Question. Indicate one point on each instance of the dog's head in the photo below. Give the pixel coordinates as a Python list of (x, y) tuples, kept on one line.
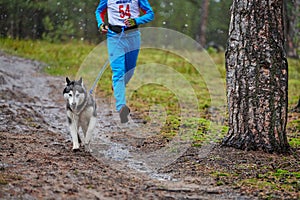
[(74, 93)]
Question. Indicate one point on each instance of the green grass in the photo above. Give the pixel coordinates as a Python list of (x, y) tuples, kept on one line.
[(294, 142), (294, 81), (67, 59), (293, 128), (6, 178), (220, 174), (60, 59), (268, 182), (280, 180)]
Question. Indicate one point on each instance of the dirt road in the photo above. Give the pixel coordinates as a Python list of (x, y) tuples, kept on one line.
[(36, 161)]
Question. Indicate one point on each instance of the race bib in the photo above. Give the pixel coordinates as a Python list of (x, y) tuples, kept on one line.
[(119, 10)]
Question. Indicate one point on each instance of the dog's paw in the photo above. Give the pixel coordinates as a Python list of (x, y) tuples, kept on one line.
[(76, 150), (87, 148), (75, 146)]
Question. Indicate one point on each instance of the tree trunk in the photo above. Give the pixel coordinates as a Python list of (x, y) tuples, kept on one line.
[(257, 77), (292, 29), (297, 108), (201, 38)]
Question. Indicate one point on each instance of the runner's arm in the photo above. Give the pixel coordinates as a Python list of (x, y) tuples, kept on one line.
[(100, 12), (148, 13)]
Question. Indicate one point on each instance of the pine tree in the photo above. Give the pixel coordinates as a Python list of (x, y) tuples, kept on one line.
[(257, 77)]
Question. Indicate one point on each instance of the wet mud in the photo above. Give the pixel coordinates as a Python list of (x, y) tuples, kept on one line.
[(36, 160)]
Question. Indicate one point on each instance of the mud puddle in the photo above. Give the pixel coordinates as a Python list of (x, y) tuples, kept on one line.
[(38, 102)]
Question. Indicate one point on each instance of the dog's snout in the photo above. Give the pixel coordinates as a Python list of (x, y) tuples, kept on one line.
[(73, 104)]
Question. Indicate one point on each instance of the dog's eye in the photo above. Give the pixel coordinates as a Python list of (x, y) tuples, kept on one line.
[(70, 95), (77, 95)]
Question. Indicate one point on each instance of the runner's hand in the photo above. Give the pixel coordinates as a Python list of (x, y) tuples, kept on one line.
[(130, 22), (103, 28)]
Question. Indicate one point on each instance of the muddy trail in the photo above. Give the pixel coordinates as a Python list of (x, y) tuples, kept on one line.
[(36, 160)]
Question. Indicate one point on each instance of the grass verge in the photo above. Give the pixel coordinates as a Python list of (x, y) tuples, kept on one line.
[(65, 59)]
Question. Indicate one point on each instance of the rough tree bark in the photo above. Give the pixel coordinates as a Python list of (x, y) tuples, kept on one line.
[(257, 77)]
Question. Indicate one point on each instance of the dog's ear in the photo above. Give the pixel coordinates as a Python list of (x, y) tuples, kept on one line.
[(68, 80), (80, 81)]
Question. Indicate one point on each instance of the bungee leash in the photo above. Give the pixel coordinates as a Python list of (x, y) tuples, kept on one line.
[(105, 64)]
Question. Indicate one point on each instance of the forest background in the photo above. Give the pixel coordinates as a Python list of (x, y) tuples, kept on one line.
[(58, 21)]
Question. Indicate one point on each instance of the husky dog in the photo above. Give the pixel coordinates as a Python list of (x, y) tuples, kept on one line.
[(81, 112)]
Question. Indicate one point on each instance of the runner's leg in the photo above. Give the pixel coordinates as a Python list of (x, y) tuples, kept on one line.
[(132, 52), (117, 63)]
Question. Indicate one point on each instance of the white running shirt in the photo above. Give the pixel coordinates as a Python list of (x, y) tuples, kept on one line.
[(119, 10)]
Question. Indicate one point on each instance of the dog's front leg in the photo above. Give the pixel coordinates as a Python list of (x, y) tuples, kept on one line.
[(89, 132), (73, 124)]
